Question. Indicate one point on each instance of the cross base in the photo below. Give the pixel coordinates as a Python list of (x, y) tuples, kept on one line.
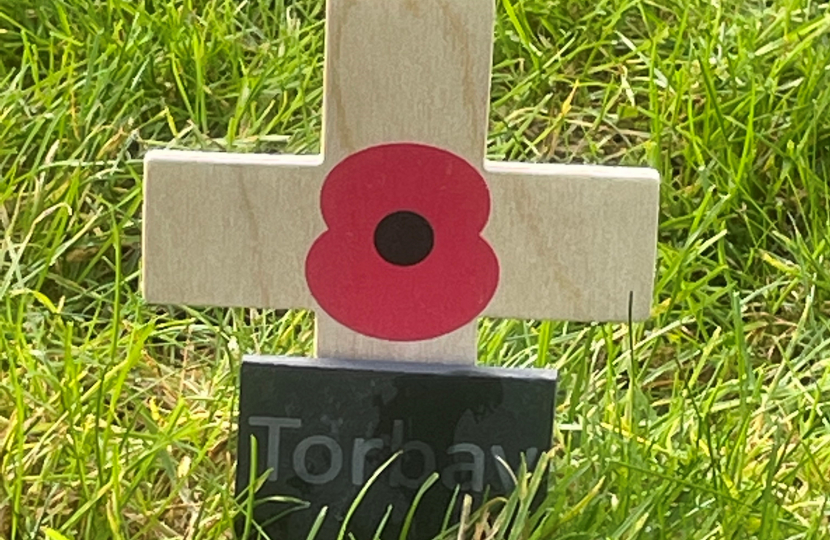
[(324, 427)]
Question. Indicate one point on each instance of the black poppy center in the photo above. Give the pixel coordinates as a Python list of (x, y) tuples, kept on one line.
[(404, 238)]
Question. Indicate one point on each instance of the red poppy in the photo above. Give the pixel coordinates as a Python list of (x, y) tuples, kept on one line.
[(403, 258)]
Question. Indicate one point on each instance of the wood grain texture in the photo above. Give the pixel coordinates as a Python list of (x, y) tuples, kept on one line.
[(229, 229), (407, 70), (574, 242), (333, 340)]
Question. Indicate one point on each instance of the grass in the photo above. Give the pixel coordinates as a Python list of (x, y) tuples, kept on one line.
[(711, 420)]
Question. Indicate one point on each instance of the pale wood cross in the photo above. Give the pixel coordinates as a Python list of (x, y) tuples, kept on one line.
[(574, 242)]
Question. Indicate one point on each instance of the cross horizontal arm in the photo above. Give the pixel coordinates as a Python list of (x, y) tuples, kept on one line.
[(229, 229), (574, 241)]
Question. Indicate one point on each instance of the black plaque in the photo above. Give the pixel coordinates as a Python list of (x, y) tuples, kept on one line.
[(323, 427)]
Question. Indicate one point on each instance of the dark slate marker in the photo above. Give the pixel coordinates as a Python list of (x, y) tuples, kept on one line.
[(325, 426)]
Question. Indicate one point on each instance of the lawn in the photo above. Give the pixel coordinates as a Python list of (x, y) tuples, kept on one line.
[(710, 420)]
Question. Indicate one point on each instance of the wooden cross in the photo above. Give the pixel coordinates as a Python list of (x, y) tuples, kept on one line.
[(406, 100)]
